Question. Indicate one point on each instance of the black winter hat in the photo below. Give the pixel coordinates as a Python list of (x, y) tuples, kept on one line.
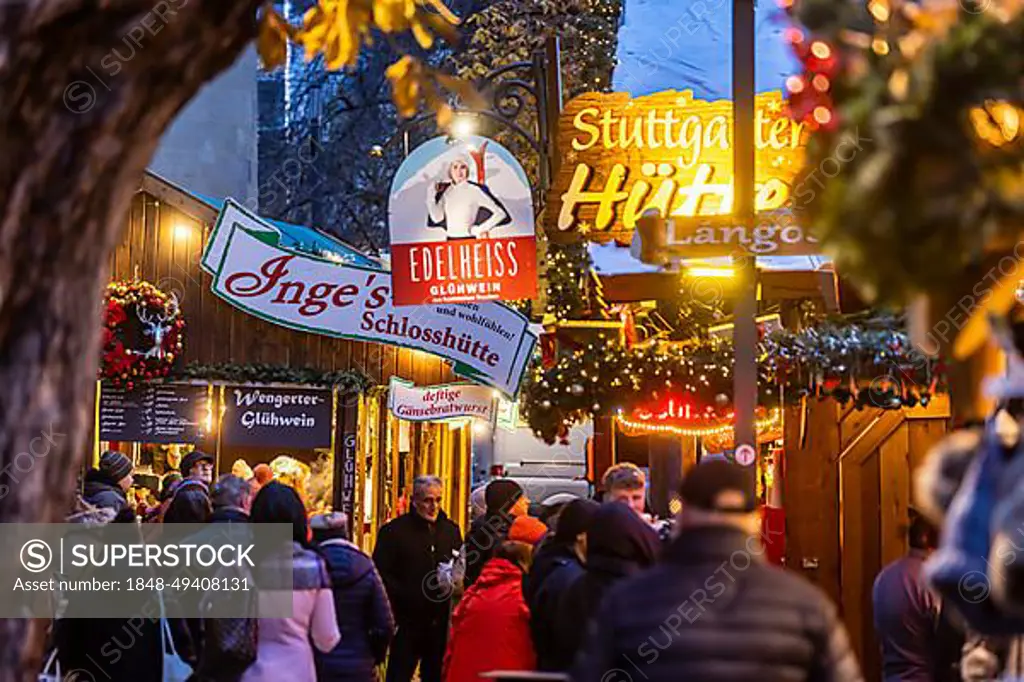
[(501, 495), (193, 458), (574, 519), (709, 479), (115, 465)]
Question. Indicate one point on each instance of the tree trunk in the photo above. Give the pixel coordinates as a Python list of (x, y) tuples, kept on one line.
[(86, 89)]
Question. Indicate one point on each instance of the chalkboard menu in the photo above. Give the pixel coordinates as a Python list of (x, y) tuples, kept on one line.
[(261, 416), (158, 413)]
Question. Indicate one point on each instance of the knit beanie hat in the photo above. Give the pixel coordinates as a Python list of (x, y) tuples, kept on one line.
[(574, 519), (114, 465), (501, 495), (527, 529)]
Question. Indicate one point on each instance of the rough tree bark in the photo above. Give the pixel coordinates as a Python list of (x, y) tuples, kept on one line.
[(75, 139)]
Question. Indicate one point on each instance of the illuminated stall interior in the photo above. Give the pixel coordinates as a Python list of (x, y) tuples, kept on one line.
[(392, 452)]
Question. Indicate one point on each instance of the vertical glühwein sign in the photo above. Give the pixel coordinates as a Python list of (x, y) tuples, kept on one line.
[(462, 226), (669, 152)]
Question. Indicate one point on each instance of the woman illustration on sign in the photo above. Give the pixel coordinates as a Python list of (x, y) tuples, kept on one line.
[(463, 208)]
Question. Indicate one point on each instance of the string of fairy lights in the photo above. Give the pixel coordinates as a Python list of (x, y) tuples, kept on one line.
[(628, 426)]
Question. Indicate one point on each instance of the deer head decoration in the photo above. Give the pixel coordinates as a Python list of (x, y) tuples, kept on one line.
[(157, 327)]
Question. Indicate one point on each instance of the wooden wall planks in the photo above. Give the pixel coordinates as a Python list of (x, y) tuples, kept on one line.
[(163, 245), (850, 514)]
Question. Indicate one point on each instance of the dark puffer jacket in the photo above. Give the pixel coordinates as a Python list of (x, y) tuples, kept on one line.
[(364, 615), (555, 568), (714, 610), (619, 544)]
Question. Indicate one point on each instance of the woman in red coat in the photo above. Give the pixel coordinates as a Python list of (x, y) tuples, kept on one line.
[(491, 625)]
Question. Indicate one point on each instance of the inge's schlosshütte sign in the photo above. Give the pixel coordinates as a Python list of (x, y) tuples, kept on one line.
[(621, 157), (489, 343)]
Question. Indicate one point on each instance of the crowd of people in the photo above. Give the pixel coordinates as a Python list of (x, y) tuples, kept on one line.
[(591, 589)]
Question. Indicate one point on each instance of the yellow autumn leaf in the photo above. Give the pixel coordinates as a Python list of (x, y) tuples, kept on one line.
[(445, 116), (338, 30), (313, 36), (355, 28), (393, 16), (405, 84), (272, 39), (340, 45), (423, 36)]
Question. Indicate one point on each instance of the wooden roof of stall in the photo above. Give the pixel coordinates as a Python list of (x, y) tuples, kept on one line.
[(776, 285), (162, 242)]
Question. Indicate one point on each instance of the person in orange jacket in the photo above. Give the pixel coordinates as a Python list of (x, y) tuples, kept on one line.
[(491, 625)]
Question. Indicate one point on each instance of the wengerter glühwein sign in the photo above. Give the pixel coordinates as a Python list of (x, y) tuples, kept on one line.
[(621, 157), (488, 343)]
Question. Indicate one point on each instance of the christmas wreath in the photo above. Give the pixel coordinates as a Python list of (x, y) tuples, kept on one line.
[(915, 168), (142, 333)]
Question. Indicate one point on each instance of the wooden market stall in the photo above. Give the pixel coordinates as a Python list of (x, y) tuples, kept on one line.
[(848, 484), (844, 474), (371, 456)]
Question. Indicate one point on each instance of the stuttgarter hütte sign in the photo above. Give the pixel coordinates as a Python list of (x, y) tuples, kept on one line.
[(488, 343), (671, 153)]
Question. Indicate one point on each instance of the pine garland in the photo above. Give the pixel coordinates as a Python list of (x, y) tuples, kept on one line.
[(347, 380), (869, 361), (604, 380)]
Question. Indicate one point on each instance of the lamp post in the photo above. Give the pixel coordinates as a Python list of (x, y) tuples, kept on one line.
[(745, 310), (510, 92)]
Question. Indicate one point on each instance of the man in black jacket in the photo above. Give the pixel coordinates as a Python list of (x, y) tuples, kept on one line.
[(557, 563), (713, 610), (408, 554)]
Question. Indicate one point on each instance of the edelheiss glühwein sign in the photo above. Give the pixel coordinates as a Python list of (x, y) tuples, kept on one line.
[(671, 153), (461, 220), (488, 343)]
